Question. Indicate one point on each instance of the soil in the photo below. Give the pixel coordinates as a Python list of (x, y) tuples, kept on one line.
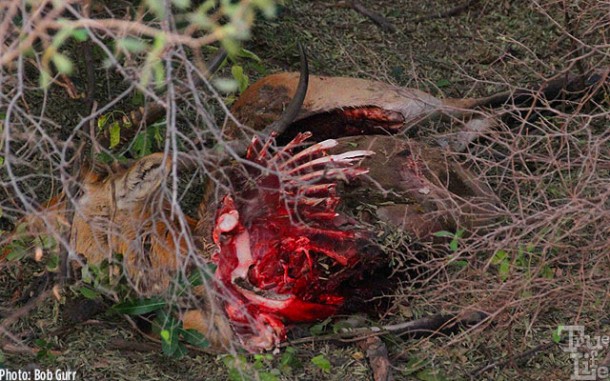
[(486, 48)]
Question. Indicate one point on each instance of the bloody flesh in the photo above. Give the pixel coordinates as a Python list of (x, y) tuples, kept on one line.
[(348, 121), (280, 251)]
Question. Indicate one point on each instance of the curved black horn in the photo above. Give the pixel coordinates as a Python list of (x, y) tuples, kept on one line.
[(280, 125)]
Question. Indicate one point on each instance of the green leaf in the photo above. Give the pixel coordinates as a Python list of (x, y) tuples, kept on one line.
[(137, 99), (200, 18), (504, 270), (158, 44), (267, 376), (141, 145), (44, 352), (156, 129), (62, 63), (159, 73), (499, 257), (133, 45), (321, 362), (170, 343), (235, 366), (182, 4), (289, 360), (556, 334), (453, 245), (197, 277), (236, 375), (115, 134), (62, 34), (342, 324), (165, 335), (195, 338), (139, 307), (16, 251), (86, 274), (459, 264), (413, 365), (41, 343), (231, 46), (245, 53), (318, 329), (88, 292), (157, 7), (45, 79), (242, 79), (444, 234), (1, 160), (105, 157), (430, 375), (21, 229), (53, 263), (180, 351), (266, 6), (80, 35), (102, 120), (46, 241), (443, 83)]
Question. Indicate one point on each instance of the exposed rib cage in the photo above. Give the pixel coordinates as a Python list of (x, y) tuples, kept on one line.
[(279, 247)]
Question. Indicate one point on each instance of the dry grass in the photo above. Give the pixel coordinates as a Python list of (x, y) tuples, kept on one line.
[(551, 172)]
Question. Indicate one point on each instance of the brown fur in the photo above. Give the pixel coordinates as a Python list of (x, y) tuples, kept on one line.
[(417, 188)]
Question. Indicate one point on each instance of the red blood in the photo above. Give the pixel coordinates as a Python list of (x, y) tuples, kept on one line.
[(348, 121), (280, 252), (374, 114)]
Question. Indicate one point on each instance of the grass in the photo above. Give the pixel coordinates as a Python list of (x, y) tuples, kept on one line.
[(491, 47)]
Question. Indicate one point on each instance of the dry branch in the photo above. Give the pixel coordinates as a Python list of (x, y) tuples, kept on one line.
[(505, 361), (449, 13), (426, 326), (376, 17)]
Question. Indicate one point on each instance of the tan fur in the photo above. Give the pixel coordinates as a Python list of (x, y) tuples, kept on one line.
[(264, 101), (120, 214), (123, 213), (212, 324)]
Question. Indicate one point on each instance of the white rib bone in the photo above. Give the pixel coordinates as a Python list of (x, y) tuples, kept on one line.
[(324, 145), (335, 173), (345, 158)]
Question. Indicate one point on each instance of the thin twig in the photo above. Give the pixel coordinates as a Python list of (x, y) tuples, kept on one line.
[(501, 363), (25, 350), (23, 311), (450, 13), (138, 119), (89, 65), (428, 325), (377, 18)]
